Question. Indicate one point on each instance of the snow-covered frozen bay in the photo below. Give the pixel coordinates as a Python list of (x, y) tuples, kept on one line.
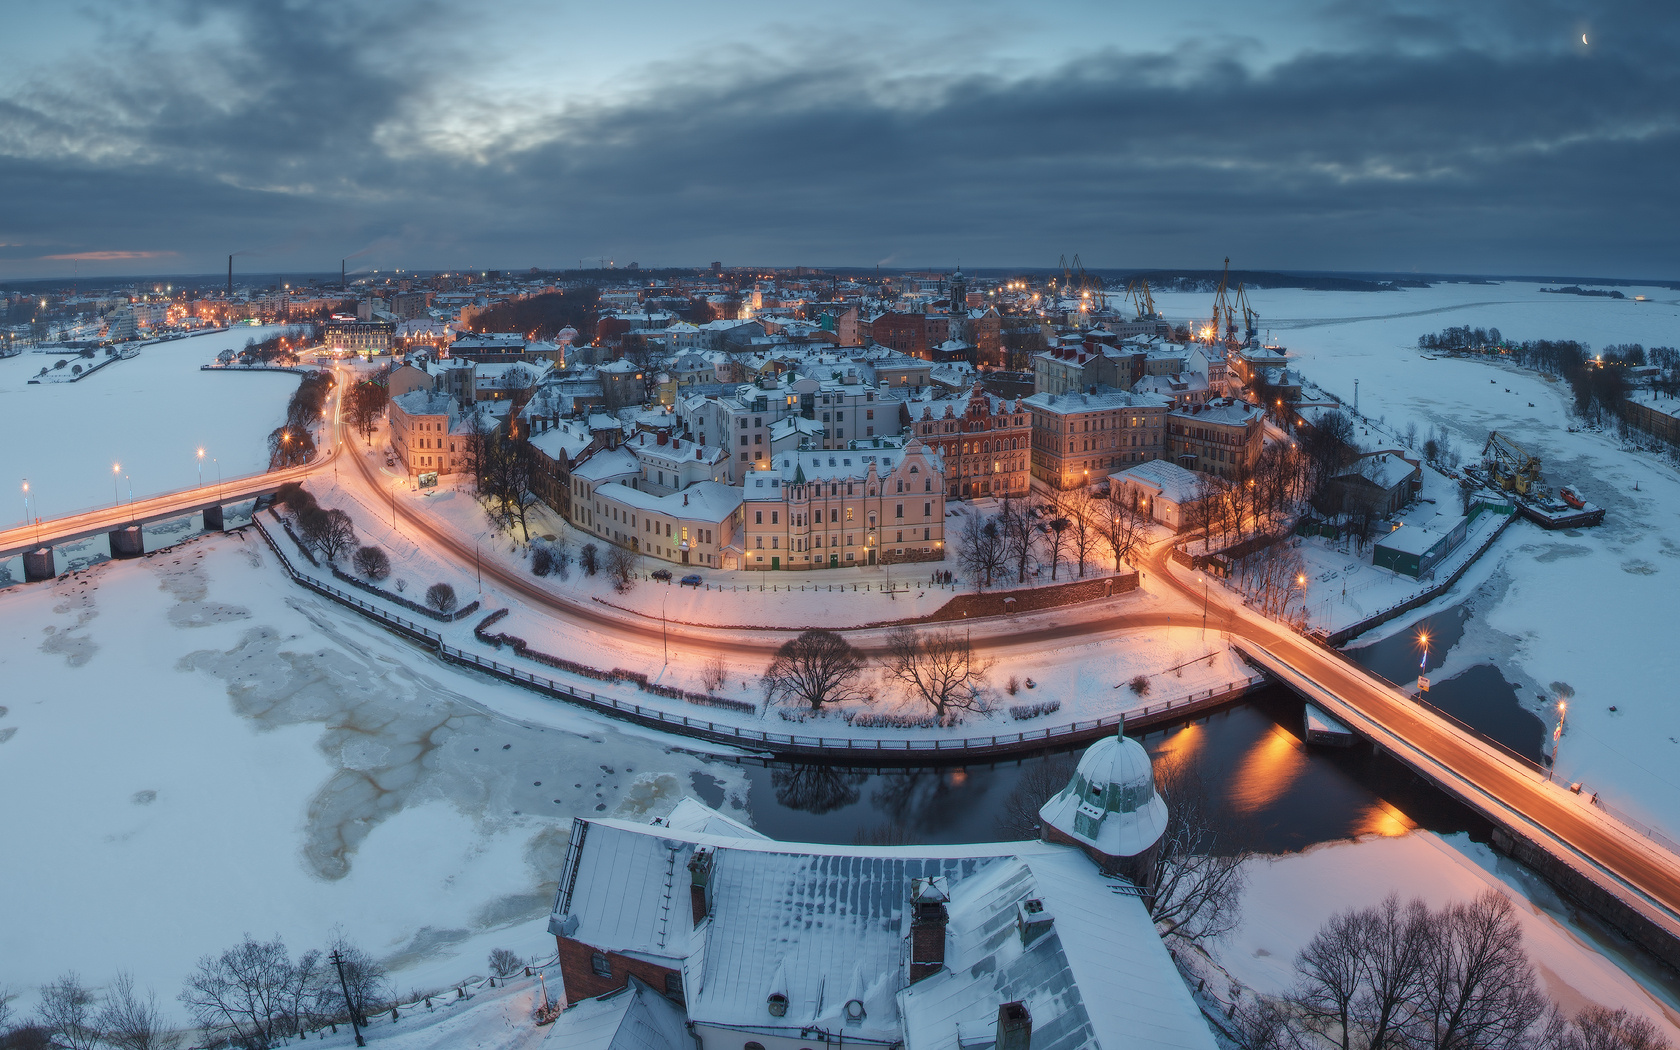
[(192, 748)]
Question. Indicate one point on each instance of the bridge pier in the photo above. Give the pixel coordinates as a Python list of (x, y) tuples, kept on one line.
[(127, 543), (213, 519), (38, 565)]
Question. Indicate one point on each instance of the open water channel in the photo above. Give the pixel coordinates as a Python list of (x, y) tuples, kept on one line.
[(1284, 795)]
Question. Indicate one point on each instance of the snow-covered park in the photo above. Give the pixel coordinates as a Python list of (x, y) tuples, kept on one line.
[(149, 415)]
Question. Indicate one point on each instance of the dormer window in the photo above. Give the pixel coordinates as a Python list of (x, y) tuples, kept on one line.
[(777, 1004)]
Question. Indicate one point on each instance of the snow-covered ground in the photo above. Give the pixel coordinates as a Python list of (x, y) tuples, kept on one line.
[(1289, 898), (1593, 609), (151, 415), (1087, 678), (193, 747)]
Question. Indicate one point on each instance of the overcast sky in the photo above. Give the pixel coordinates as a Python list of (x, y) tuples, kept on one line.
[(1483, 137)]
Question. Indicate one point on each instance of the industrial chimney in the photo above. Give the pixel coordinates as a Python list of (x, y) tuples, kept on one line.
[(341, 284), (230, 277)]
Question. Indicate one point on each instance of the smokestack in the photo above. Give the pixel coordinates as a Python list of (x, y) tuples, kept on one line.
[(1014, 1027), (928, 897), (230, 277), (341, 284)]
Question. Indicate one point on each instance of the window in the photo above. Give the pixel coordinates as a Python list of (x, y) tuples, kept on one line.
[(775, 517), (900, 511), (598, 963), (927, 510), (758, 517)]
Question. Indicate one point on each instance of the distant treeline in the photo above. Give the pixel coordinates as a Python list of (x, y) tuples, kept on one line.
[(1208, 281), (1599, 382), (1576, 289), (543, 316)]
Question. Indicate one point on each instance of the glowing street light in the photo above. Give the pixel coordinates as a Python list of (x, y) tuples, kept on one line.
[(1557, 732), (201, 468), (116, 493)]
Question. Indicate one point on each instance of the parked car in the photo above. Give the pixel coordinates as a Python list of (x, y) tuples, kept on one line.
[(662, 575), (691, 580)]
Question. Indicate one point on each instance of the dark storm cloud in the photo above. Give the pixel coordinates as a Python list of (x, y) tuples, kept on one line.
[(1427, 139)]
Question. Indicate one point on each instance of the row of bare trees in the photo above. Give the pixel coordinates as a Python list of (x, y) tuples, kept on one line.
[(254, 995), (1072, 529), (1406, 977), (503, 474), (821, 667)]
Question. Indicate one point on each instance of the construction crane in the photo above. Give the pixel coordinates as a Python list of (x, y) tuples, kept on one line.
[(1223, 316), (1251, 317), (1138, 292), (1510, 465)]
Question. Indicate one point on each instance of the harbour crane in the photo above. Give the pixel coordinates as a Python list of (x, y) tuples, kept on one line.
[(1509, 464), (1251, 317)]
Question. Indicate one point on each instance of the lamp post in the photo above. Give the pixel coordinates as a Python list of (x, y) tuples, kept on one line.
[(337, 958), (1557, 734), (1204, 605), (26, 501), (116, 493), (200, 468)]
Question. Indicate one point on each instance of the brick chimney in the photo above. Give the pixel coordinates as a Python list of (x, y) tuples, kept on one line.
[(699, 883), (1014, 1027), (928, 897)]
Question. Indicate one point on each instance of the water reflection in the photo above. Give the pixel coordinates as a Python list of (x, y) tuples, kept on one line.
[(1289, 796)]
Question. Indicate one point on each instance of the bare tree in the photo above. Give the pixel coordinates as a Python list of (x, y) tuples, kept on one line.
[(504, 963), (365, 982), (589, 559), (1042, 779), (6, 997), (1199, 873), (980, 550), (621, 568), (1479, 989), (1084, 511), (1055, 527), (372, 562), (1598, 1028), (1274, 578), (1019, 538), (243, 994), (329, 531), (68, 1012), (713, 673), (1397, 939), (1123, 522), (441, 596), (1329, 979), (818, 667), (129, 1022), (939, 667)]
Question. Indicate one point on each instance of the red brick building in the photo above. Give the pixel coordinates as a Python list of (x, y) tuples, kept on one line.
[(987, 449), (906, 333)]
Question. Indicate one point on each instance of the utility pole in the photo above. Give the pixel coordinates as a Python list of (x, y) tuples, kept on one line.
[(337, 958)]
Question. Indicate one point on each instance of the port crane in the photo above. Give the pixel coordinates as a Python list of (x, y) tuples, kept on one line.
[(1251, 317), (1138, 292), (1224, 315), (1510, 465)]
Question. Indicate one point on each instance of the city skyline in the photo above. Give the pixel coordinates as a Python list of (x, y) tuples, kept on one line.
[(1316, 136)]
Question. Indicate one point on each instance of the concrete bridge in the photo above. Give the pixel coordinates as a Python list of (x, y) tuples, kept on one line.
[(124, 525), (1628, 875)]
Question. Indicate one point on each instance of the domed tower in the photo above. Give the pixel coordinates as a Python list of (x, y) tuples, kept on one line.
[(1110, 809), (959, 293)]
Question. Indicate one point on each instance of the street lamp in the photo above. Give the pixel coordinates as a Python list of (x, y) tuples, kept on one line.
[(116, 493), (1204, 605), (1557, 734), (201, 468)]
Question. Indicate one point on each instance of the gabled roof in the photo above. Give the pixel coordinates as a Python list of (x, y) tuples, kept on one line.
[(633, 1018)]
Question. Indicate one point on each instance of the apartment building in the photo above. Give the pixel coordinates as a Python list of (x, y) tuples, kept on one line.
[(1222, 437), (984, 441), (1081, 438)]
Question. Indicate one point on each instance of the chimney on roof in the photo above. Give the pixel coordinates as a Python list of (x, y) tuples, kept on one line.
[(699, 875), (928, 897), (1014, 1027)]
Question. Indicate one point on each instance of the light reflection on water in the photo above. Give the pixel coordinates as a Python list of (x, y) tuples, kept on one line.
[(1286, 795)]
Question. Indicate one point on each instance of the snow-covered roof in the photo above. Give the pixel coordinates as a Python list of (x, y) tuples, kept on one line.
[(422, 402), (1110, 803), (1168, 480), (565, 440), (1095, 977), (608, 465), (633, 1018), (1226, 410), (823, 924), (703, 501), (1104, 399), (1386, 470)]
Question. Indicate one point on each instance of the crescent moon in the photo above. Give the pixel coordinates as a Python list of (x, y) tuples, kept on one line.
[(1583, 38)]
